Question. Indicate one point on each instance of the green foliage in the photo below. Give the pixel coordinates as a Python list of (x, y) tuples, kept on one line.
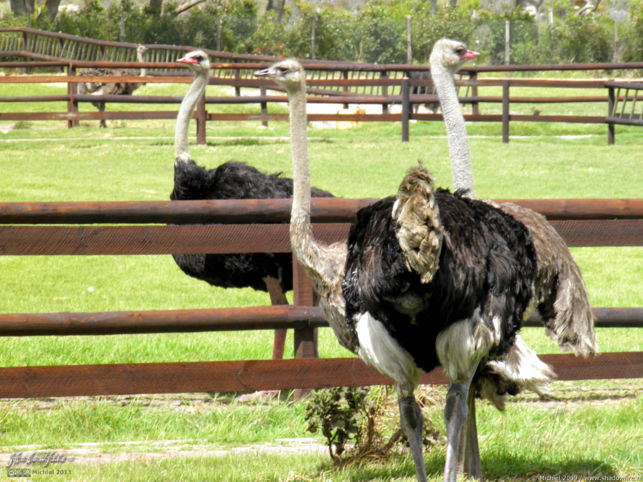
[(375, 33), (338, 413)]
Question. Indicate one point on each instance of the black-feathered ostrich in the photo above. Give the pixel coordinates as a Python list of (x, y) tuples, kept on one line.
[(111, 88), (230, 180), (410, 281), (559, 291)]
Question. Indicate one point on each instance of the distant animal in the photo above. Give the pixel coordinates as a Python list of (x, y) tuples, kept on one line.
[(111, 88), (271, 272)]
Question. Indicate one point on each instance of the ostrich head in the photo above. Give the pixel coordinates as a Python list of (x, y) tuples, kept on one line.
[(452, 54), (197, 61), (140, 50), (288, 73)]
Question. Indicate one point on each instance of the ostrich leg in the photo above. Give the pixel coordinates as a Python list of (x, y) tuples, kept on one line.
[(101, 109), (469, 453), (412, 422), (455, 418), (277, 297)]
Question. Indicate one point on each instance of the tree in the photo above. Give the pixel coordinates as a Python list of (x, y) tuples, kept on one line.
[(277, 6), (20, 8)]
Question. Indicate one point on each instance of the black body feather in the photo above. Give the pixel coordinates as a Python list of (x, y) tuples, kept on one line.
[(487, 263), (234, 180)]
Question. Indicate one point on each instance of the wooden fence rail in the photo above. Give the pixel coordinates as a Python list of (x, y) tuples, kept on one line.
[(384, 91), (20, 223), (329, 82)]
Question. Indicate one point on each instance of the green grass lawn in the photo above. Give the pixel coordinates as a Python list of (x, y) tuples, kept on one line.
[(44, 161)]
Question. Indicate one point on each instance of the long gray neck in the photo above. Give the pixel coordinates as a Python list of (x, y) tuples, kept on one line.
[(459, 152), (139, 57), (196, 90), (301, 235)]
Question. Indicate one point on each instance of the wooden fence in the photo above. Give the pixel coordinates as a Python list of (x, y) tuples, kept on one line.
[(259, 226), (248, 226), (330, 82)]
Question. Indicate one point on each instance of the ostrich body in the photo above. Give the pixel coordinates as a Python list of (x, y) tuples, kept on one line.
[(271, 272), (112, 88), (559, 292)]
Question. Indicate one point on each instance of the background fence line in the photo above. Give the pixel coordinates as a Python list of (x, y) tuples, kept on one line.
[(329, 82)]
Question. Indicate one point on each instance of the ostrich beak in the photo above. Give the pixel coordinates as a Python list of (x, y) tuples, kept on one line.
[(263, 72), (469, 54), (185, 60)]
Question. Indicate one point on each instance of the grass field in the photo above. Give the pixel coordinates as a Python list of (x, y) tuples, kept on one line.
[(594, 430)]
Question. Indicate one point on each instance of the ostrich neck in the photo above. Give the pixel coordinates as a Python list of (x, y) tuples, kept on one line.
[(300, 224), (459, 152), (196, 90), (139, 57)]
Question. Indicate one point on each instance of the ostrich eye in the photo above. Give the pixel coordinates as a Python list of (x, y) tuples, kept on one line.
[(460, 50)]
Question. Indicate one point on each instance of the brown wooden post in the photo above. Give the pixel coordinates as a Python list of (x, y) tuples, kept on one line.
[(406, 108), (72, 104), (61, 48), (345, 88), (237, 78), (384, 75), (505, 112), (475, 106), (611, 106), (201, 116), (305, 338), (25, 42), (264, 106)]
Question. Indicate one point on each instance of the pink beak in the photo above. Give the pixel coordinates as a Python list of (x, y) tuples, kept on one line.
[(469, 54), (184, 60)]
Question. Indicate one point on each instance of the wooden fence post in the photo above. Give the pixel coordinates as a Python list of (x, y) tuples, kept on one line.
[(475, 106), (305, 338), (25, 42), (72, 104), (384, 75), (406, 108), (611, 106), (264, 106), (505, 112), (200, 120)]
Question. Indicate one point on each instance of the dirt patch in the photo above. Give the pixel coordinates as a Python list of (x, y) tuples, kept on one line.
[(107, 453)]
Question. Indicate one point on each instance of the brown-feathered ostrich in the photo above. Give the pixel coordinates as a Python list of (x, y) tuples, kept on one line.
[(396, 315), (271, 272), (111, 88)]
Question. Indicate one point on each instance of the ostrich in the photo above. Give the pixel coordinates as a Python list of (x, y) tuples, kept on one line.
[(391, 310), (230, 180), (360, 332), (559, 291), (112, 88)]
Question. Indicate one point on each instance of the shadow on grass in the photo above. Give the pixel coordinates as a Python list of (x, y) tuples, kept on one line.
[(495, 467)]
